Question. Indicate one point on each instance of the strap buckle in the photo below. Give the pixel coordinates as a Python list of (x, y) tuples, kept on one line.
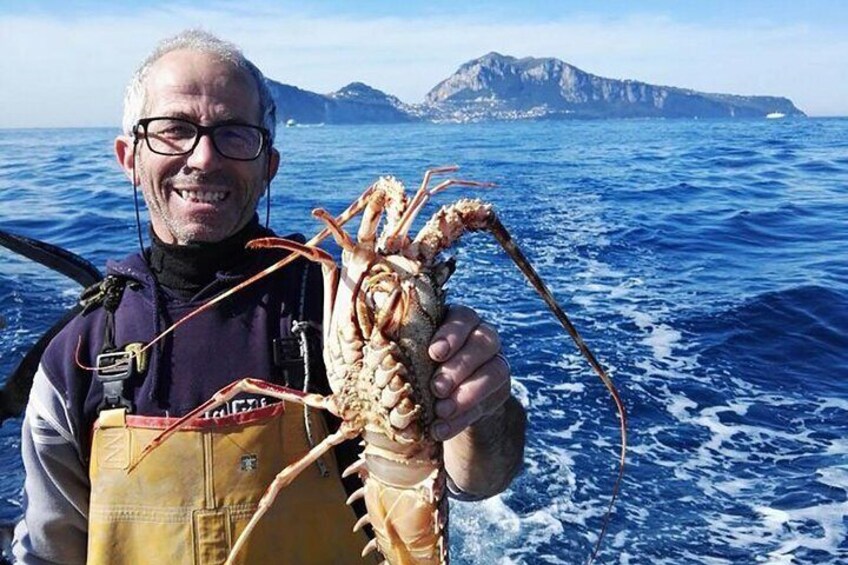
[(113, 368)]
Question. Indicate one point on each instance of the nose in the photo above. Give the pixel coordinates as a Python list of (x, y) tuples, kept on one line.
[(204, 157)]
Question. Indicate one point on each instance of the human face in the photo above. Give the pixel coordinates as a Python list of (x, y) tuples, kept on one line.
[(201, 196)]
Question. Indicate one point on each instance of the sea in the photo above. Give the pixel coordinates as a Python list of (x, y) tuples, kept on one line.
[(704, 262)]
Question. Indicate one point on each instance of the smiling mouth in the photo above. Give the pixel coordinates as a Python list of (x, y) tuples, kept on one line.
[(202, 196)]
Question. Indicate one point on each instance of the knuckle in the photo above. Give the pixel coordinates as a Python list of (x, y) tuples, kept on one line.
[(474, 413), (499, 399), (464, 313), (443, 384), (503, 365), (466, 365), (488, 335)]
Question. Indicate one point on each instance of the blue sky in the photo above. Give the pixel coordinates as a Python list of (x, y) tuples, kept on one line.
[(65, 64)]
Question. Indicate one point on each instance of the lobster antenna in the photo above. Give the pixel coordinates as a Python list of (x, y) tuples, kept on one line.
[(502, 235)]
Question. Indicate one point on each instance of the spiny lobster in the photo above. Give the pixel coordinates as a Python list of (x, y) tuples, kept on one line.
[(380, 313)]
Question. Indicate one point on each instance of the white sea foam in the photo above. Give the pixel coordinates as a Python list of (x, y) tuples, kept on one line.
[(784, 532), (568, 387), (567, 433), (679, 406), (519, 390), (784, 525), (661, 338), (736, 486), (662, 341), (830, 402), (488, 529), (70, 293)]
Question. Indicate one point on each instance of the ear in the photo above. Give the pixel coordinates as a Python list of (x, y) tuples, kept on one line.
[(125, 155), (273, 163)]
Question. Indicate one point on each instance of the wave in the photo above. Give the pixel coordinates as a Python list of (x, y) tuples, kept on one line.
[(797, 338), (702, 262)]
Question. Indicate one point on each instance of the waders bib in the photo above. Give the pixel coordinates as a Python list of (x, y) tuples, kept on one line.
[(188, 501)]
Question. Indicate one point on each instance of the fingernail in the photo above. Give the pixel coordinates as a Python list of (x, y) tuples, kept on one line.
[(441, 385), (441, 431), (445, 408), (439, 349)]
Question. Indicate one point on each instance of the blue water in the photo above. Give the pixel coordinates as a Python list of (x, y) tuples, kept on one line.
[(705, 263)]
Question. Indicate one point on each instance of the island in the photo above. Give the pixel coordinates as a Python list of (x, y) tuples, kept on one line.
[(501, 87)]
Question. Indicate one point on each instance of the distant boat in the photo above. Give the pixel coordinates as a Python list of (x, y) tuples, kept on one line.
[(291, 122), (775, 116)]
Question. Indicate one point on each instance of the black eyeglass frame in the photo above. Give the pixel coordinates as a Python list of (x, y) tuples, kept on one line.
[(140, 130)]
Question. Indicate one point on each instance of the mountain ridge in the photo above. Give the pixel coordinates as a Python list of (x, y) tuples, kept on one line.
[(503, 87)]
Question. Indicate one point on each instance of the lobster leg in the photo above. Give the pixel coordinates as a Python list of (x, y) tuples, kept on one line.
[(424, 194), (391, 199), (230, 391), (341, 236), (286, 476), (420, 198)]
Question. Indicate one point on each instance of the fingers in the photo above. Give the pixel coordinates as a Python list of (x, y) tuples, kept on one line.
[(480, 395), (481, 345), (459, 322), (472, 380)]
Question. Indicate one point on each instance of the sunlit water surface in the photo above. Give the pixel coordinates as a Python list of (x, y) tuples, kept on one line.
[(705, 263)]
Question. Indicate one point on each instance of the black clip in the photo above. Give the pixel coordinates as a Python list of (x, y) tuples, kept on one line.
[(92, 297), (113, 368), (286, 349), (287, 357)]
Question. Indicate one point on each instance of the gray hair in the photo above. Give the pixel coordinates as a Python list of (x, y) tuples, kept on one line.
[(135, 99)]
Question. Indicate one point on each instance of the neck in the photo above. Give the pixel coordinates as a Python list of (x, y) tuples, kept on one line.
[(186, 269)]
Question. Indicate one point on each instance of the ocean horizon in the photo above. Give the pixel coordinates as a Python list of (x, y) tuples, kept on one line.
[(116, 127)]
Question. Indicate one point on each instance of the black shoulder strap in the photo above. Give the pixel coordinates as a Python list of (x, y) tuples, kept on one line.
[(114, 366), (293, 350), (307, 327)]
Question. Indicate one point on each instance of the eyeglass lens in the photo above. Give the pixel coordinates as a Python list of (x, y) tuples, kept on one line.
[(172, 136)]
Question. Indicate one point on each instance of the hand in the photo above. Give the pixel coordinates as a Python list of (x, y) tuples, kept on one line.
[(473, 380)]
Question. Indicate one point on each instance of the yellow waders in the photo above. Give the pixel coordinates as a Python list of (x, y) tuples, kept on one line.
[(188, 501)]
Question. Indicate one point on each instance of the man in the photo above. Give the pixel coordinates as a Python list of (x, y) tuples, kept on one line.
[(198, 127)]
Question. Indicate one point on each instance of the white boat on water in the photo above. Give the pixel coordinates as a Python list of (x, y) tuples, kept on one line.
[(291, 122), (775, 115)]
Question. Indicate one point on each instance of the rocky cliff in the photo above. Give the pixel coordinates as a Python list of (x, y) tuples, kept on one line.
[(499, 87), (356, 103)]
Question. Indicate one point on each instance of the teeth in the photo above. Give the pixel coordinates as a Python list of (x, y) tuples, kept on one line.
[(202, 196)]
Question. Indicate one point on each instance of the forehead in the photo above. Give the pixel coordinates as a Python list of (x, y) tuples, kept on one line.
[(200, 86)]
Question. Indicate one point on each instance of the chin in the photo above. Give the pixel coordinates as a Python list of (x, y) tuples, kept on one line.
[(208, 229), (205, 233)]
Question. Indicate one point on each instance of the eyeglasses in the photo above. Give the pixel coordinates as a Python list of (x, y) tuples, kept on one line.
[(175, 136)]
